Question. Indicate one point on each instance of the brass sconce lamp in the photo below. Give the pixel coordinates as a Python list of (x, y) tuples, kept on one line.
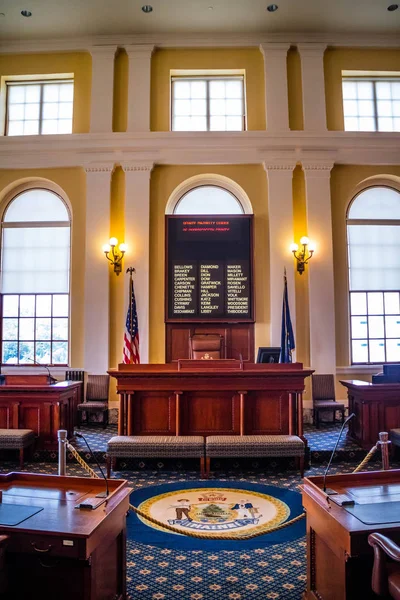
[(115, 254), (304, 254)]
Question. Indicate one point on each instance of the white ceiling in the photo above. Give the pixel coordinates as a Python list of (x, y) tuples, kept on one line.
[(65, 18)]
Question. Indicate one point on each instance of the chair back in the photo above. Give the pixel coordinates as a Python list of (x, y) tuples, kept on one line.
[(97, 388), (205, 346), (323, 387)]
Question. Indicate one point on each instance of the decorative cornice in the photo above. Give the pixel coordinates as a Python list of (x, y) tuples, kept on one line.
[(273, 49), (199, 40), (140, 51), (137, 167), (311, 49), (99, 169), (316, 151), (103, 52), (268, 166)]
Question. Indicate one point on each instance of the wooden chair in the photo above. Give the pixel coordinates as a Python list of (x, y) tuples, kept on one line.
[(385, 574), (96, 399), (205, 346), (323, 396)]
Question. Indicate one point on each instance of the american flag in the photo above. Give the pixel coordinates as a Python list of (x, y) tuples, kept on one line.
[(131, 334)]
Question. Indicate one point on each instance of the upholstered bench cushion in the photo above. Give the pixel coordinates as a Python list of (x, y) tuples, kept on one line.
[(394, 436), (332, 404), (254, 445), (182, 446), (93, 406), (15, 439)]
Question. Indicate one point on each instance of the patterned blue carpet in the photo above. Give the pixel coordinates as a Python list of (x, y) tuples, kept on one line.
[(157, 573)]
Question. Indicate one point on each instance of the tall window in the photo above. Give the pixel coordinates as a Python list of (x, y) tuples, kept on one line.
[(373, 234), (35, 279), (208, 200), (371, 104), (208, 104), (39, 107)]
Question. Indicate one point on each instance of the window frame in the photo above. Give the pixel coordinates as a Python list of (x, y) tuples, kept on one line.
[(376, 183), (11, 196), (373, 79), (18, 82), (207, 79)]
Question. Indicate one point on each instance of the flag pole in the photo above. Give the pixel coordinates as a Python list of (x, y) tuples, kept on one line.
[(130, 270)]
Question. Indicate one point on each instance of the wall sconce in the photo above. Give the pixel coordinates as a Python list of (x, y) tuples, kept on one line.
[(117, 254), (304, 255)]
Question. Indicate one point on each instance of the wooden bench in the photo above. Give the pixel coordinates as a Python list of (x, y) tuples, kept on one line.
[(16, 439), (154, 446), (240, 446)]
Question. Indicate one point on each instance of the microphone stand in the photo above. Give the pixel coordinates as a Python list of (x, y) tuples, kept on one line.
[(330, 492), (101, 494)]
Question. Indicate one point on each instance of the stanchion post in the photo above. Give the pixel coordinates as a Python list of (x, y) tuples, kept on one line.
[(384, 444), (62, 451)]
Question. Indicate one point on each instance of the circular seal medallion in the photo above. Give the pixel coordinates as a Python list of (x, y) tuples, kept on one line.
[(218, 511)]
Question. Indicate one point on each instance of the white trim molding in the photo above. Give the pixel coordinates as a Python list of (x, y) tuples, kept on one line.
[(209, 179)]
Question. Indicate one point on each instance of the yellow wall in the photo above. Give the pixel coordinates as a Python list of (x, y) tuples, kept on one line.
[(120, 104), (295, 94), (249, 59), (344, 179), (164, 180), (78, 63), (73, 182), (337, 60)]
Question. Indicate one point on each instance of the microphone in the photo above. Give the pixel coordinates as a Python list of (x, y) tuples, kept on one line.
[(107, 492), (330, 492), (226, 347), (51, 378)]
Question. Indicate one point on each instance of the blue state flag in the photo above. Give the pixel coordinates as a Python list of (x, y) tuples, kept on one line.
[(287, 336)]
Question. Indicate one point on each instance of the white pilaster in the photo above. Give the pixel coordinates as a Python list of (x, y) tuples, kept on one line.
[(320, 268), (280, 212), (101, 110), (139, 86), (137, 237), (276, 90), (313, 84), (96, 299)]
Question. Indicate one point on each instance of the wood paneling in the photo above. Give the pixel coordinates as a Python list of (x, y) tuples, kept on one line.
[(41, 407), (377, 408), (208, 394), (238, 339)]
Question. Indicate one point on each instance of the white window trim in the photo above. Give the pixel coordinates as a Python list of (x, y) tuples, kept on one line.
[(389, 181), (210, 179), (45, 77), (6, 197)]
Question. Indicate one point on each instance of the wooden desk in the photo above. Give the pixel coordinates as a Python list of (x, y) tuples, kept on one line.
[(30, 402), (210, 397), (63, 552), (339, 559), (377, 408)]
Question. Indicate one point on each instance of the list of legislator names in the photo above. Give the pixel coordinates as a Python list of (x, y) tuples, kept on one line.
[(237, 288), (210, 289)]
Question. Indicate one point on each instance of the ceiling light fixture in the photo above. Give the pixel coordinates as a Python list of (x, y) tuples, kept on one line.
[(26, 13), (147, 8), (393, 7), (272, 7)]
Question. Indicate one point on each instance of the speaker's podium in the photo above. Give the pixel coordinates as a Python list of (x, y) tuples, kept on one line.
[(339, 559)]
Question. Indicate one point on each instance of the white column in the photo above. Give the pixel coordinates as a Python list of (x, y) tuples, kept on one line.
[(101, 109), (320, 267), (280, 214), (137, 237), (276, 90), (96, 298), (313, 84), (139, 87)]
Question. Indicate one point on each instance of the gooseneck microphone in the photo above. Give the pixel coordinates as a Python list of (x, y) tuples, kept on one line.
[(101, 494), (333, 453), (35, 362)]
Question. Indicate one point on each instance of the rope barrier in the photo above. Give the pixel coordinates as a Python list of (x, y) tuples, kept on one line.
[(168, 527)]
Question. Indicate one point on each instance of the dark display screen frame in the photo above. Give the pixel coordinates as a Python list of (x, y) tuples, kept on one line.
[(209, 246)]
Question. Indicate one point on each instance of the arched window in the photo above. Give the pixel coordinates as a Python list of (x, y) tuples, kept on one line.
[(208, 200), (35, 253), (373, 235)]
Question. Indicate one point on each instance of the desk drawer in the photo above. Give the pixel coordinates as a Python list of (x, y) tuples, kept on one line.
[(45, 545)]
